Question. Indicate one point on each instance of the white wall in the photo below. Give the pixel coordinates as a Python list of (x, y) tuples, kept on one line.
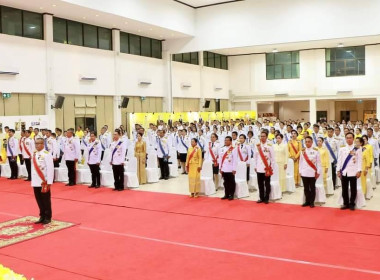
[(293, 110)]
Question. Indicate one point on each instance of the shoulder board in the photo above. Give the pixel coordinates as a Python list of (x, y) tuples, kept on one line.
[(315, 148), (46, 152), (342, 146), (269, 144)]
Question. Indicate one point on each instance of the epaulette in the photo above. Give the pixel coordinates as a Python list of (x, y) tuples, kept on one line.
[(315, 148), (342, 146), (269, 144), (258, 144), (46, 152)]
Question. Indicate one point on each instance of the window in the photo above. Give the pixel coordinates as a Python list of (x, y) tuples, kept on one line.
[(190, 58), (215, 60), (21, 23), (80, 34), (138, 45), (349, 61), (282, 65)]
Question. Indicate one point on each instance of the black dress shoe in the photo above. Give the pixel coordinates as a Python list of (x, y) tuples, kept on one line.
[(352, 208), (28, 180), (91, 186), (46, 221), (97, 187), (68, 184), (305, 204), (259, 201), (224, 197), (161, 178), (167, 178), (120, 190), (40, 221), (231, 198), (115, 189), (312, 205), (266, 201), (344, 207)]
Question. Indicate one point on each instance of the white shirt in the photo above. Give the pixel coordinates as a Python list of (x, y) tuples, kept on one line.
[(46, 165), (51, 145), (72, 149), (269, 155), (105, 140), (94, 152), (228, 164), (165, 146), (304, 168), (181, 144), (12, 147), (334, 145), (245, 151), (118, 149), (354, 165), (29, 144)]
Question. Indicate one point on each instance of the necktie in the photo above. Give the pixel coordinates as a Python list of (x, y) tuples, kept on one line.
[(242, 146)]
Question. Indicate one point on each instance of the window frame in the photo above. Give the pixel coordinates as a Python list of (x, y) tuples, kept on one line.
[(357, 60), (282, 65), (221, 58)]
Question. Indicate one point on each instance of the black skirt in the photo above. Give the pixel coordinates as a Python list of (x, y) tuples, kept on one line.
[(182, 157)]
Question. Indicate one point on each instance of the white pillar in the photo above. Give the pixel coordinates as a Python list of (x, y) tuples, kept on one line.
[(50, 96), (117, 93), (202, 93), (331, 112), (313, 111), (254, 106), (378, 108), (168, 98)]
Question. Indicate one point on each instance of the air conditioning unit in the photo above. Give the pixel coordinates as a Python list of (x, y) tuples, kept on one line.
[(283, 94), (186, 85), (87, 78), (145, 82), (9, 72), (344, 92), (217, 88)]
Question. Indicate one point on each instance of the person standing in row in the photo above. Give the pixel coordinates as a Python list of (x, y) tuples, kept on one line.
[(264, 160), (310, 169), (226, 167), (140, 154), (182, 147), (212, 154), (294, 149), (28, 148), (42, 179), (332, 146), (94, 154), (72, 154), (118, 150), (194, 167), (105, 140), (163, 154), (281, 155), (12, 151), (20, 157), (243, 153)]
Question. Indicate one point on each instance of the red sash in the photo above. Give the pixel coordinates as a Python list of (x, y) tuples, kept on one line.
[(225, 155), (268, 169), (212, 155), (294, 148), (309, 161), (26, 149), (191, 156), (44, 185), (240, 155), (19, 145)]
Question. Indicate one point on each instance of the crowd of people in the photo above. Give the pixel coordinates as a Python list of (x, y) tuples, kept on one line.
[(349, 151)]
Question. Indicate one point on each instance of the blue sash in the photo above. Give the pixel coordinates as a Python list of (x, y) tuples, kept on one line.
[(347, 160), (45, 144), (286, 138), (184, 144), (251, 152), (162, 148), (114, 150), (90, 151), (9, 149), (102, 144), (200, 145), (330, 150), (177, 140), (315, 139), (84, 142)]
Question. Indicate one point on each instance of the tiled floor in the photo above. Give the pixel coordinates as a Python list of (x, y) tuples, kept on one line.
[(179, 185)]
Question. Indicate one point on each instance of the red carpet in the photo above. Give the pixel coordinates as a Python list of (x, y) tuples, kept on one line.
[(144, 235)]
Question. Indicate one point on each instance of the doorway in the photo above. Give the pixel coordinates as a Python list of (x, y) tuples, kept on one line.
[(86, 122)]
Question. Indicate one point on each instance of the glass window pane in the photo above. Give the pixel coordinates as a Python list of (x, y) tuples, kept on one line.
[(360, 52), (146, 47), (90, 34), (211, 59), (295, 57), (186, 58), (295, 70), (330, 69), (194, 58), (278, 72), (124, 42), (11, 21), (74, 32), (361, 66), (205, 58), (224, 62), (283, 57), (270, 58), (217, 61), (177, 57), (59, 30), (105, 38), (134, 44), (339, 68), (32, 25), (287, 71), (156, 49), (270, 72)]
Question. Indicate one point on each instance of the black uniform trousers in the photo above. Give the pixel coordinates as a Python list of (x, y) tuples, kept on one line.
[(164, 166), (71, 171), (28, 164), (229, 184), (13, 166), (44, 202), (95, 174), (101, 158), (333, 173), (264, 186), (21, 158), (349, 182), (309, 189), (118, 175)]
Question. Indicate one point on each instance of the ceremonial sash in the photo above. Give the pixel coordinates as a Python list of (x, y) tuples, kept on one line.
[(44, 185), (225, 156), (84, 142), (200, 145), (102, 144), (183, 143), (9, 149), (26, 149), (286, 138), (45, 144), (19, 145), (191, 156), (240, 155), (348, 158), (315, 139), (161, 148), (330, 150), (90, 151), (212, 155), (309, 161), (115, 149), (294, 148), (268, 169)]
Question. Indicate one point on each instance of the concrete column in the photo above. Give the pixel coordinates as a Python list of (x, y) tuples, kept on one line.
[(254, 106), (378, 108), (117, 93), (168, 97), (331, 112), (203, 99), (313, 111), (50, 95)]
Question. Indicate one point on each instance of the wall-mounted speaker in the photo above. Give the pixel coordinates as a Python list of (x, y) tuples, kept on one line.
[(59, 102), (207, 104), (124, 102)]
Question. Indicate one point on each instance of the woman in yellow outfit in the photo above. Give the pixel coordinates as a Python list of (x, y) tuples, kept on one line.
[(325, 160), (281, 155), (140, 154), (294, 149), (194, 167), (367, 158)]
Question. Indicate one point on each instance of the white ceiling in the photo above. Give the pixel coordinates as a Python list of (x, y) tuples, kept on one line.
[(200, 3)]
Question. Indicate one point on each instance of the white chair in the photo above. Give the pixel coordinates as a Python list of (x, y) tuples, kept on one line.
[(369, 192), (83, 174), (130, 174), (241, 180), (152, 171), (275, 192), (173, 166), (106, 173), (360, 200), (131, 150), (377, 174), (5, 170), (320, 193), (290, 182), (207, 182), (60, 173), (22, 172), (252, 183), (373, 178), (330, 184)]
